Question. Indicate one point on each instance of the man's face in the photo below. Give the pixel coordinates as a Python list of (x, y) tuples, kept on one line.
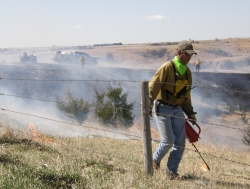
[(184, 57)]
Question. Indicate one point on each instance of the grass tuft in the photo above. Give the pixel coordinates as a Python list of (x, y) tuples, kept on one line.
[(59, 180), (110, 163)]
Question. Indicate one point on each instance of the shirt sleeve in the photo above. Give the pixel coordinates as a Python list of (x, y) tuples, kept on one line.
[(187, 107), (187, 104), (156, 83)]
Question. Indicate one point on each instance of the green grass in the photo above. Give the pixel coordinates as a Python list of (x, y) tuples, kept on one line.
[(110, 163)]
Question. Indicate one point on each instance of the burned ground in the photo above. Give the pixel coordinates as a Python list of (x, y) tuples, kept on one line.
[(217, 98)]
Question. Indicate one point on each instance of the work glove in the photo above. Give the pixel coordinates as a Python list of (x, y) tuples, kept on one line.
[(192, 119)]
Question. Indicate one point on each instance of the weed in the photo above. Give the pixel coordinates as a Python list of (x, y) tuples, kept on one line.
[(113, 163), (9, 159), (9, 138), (110, 57), (59, 180), (244, 118), (246, 138), (217, 51), (231, 109), (155, 53), (242, 108)]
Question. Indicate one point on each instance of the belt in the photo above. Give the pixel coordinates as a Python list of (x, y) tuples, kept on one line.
[(167, 104)]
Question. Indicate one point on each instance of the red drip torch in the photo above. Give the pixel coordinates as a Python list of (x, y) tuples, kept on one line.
[(193, 136)]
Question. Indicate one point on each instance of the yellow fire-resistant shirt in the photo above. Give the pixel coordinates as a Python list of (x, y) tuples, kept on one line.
[(162, 87), (82, 59)]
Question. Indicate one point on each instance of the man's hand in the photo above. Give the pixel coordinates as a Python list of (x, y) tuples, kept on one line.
[(192, 119)]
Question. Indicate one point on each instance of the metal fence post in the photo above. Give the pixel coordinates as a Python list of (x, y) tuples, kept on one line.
[(148, 160)]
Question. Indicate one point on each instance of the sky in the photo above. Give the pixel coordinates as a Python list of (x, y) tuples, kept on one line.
[(44, 23)]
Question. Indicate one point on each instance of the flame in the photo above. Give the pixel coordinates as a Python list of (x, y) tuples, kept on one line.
[(154, 133), (37, 136), (137, 127), (204, 167)]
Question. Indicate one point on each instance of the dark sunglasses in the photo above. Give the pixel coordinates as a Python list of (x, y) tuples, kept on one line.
[(187, 54)]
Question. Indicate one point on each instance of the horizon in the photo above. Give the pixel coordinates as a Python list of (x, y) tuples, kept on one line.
[(75, 46)]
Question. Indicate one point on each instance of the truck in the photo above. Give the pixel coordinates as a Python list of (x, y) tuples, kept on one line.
[(24, 58), (73, 57)]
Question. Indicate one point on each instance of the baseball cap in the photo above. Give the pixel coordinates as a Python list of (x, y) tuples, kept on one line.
[(187, 47)]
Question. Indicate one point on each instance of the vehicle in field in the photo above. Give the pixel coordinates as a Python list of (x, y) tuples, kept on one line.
[(24, 58), (73, 57)]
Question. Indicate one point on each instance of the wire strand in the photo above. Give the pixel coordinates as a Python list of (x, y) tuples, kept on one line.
[(166, 115), (59, 121)]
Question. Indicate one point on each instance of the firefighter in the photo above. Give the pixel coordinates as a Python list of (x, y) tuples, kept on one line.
[(82, 61), (169, 96), (197, 65)]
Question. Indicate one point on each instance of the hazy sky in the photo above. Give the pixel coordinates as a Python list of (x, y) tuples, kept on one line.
[(40, 23)]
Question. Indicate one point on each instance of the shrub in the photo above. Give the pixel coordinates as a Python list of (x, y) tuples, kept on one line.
[(231, 109), (112, 107), (244, 118), (246, 138), (228, 64), (217, 51), (99, 101), (155, 53), (242, 108), (248, 61), (78, 107), (110, 57)]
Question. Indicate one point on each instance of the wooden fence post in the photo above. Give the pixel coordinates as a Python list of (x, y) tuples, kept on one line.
[(148, 159)]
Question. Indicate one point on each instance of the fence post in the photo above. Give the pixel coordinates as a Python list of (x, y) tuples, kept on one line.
[(148, 160)]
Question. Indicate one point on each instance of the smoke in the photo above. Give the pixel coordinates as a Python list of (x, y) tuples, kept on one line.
[(211, 103), (224, 65), (28, 90), (219, 105)]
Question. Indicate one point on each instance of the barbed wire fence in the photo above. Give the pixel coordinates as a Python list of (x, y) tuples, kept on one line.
[(30, 136), (131, 136)]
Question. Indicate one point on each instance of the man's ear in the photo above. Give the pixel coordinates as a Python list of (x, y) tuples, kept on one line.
[(179, 52)]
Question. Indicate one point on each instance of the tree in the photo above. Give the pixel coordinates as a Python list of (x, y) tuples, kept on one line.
[(99, 101), (112, 107), (78, 107)]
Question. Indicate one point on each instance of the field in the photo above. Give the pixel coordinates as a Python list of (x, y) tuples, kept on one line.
[(39, 161), (42, 147)]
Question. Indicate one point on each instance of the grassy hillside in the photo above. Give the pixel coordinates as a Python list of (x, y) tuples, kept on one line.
[(231, 55), (29, 159), (37, 161), (215, 55)]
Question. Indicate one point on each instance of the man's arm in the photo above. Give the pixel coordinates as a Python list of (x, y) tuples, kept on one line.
[(187, 104), (155, 84)]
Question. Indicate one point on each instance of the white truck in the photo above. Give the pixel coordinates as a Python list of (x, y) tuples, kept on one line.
[(73, 57)]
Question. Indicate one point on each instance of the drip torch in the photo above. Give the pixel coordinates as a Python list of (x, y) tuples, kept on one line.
[(193, 137)]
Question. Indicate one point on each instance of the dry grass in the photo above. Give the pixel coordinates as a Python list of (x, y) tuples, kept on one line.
[(131, 55), (109, 163)]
